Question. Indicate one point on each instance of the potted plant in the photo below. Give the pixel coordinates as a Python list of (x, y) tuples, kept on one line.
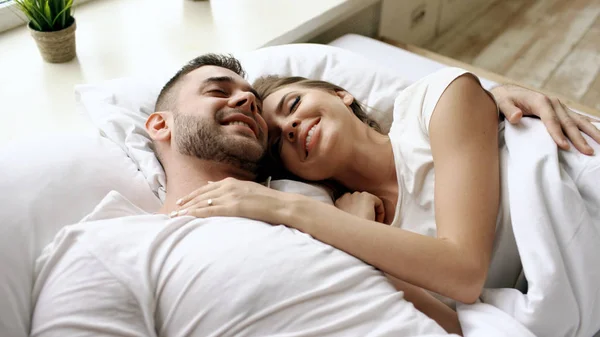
[(52, 26)]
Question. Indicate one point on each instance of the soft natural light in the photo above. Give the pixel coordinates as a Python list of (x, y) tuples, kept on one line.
[(11, 17), (8, 15)]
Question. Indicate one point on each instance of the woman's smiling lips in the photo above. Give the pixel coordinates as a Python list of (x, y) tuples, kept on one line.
[(309, 137)]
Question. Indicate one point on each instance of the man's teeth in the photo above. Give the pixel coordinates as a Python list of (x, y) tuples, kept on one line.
[(238, 123), (309, 137)]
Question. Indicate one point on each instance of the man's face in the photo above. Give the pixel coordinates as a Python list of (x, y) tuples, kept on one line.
[(218, 118)]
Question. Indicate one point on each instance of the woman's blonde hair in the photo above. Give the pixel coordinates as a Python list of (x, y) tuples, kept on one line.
[(267, 85)]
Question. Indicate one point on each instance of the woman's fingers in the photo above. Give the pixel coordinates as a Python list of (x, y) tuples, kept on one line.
[(210, 186), (207, 200), (379, 210), (207, 212)]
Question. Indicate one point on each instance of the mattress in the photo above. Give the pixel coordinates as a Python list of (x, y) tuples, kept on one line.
[(411, 66), (398, 59)]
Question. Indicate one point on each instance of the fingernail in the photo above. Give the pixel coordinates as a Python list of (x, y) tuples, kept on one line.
[(184, 212), (179, 202), (173, 214)]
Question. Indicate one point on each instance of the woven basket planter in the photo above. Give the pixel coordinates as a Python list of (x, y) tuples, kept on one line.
[(58, 46)]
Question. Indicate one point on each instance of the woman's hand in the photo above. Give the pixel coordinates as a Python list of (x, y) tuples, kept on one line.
[(363, 205), (562, 123), (237, 198)]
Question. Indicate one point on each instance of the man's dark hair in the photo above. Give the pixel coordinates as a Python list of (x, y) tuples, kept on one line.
[(167, 99)]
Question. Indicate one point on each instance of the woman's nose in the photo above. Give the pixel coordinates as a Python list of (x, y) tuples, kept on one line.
[(291, 132)]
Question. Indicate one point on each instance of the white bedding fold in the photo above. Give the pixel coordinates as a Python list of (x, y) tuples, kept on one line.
[(555, 209)]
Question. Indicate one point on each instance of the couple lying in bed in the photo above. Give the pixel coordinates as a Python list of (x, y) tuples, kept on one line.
[(227, 256)]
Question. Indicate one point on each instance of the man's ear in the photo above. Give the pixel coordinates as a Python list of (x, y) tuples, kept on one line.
[(158, 126), (346, 97)]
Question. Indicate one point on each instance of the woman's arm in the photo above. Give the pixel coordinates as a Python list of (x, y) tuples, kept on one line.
[(368, 206), (463, 133)]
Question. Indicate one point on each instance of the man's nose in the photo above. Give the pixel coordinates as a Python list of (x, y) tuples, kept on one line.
[(246, 101)]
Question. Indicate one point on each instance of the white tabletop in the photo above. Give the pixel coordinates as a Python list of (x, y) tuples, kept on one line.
[(118, 38)]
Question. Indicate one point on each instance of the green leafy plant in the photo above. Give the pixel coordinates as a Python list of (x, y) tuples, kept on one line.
[(47, 15)]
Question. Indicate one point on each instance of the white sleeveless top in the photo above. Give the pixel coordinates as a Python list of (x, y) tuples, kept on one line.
[(409, 135)]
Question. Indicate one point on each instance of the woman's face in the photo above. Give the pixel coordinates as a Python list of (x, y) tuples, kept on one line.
[(305, 129)]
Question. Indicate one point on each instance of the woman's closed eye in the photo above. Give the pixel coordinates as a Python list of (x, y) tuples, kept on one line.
[(295, 104)]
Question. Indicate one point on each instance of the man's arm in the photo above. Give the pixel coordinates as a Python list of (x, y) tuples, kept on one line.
[(429, 305), (562, 123)]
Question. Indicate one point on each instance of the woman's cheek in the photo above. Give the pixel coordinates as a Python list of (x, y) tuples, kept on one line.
[(290, 161)]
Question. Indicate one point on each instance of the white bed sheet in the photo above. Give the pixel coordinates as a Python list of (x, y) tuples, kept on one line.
[(411, 66)]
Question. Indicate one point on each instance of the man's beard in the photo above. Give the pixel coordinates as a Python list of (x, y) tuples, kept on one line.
[(202, 138)]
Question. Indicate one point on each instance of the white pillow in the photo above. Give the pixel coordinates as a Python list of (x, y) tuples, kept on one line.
[(47, 183), (371, 84), (120, 107)]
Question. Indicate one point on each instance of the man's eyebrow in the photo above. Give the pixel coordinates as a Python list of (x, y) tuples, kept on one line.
[(280, 104), (219, 79), (229, 79)]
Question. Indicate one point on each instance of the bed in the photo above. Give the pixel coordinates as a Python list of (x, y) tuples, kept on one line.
[(57, 180)]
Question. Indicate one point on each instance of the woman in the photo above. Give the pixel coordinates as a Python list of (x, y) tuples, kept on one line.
[(450, 235)]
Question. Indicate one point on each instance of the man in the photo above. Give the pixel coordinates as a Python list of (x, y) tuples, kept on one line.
[(207, 126), (124, 272)]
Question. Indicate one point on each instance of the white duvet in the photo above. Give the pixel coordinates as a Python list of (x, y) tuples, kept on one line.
[(124, 272), (128, 273), (555, 209)]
